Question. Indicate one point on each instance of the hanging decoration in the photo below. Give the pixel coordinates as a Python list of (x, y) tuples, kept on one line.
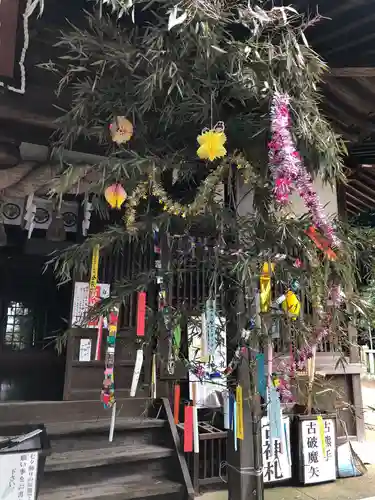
[(176, 403), (291, 305), (121, 130), (211, 143), (205, 191), (137, 372), (108, 390), (321, 243), (320, 423), (115, 196), (195, 420), (141, 314), (153, 377), (288, 169), (211, 326), (239, 413), (265, 287), (174, 334), (94, 291), (188, 429), (176, 341)]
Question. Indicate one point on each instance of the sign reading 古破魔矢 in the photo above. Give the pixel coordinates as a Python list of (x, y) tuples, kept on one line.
[(277, 465), (318, 442)]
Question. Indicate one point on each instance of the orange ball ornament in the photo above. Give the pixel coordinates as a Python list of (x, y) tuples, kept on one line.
[(115, 196)]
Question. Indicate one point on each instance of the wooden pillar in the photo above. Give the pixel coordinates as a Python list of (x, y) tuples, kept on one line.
[(354, 354), (245, 481)]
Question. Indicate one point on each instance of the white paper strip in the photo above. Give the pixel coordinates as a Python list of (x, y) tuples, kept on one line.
[(137, 372)]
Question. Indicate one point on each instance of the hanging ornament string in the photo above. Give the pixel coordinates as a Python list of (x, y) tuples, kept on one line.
[(108, 390), (162, 302), (288, 170)]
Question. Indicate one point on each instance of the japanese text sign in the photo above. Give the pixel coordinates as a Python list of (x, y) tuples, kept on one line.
[(18, 476), (319, 457), (277, 464)]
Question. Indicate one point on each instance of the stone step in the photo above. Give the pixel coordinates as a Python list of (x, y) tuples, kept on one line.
[(153, 488), (102, 425), (93, 434), (84, 459)]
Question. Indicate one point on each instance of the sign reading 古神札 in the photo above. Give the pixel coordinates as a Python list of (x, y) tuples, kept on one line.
[(318, 451), (18, 476), (277, 465)]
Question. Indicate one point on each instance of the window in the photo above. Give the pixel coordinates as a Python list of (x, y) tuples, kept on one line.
[(19, 326)]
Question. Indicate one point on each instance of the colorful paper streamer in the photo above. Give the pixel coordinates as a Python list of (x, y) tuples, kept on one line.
[(188, 429), (137, 372), (211, 326), (141, 314), (320, 423), (239, 413), (265, 287), (176, 405), (261, 375)]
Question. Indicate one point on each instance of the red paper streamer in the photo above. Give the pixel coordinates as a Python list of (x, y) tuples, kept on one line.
[(176, 407), (141, 314), (99, 339), (188, 429)]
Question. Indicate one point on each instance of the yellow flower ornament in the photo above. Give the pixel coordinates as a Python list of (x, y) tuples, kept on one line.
[(211, 142)]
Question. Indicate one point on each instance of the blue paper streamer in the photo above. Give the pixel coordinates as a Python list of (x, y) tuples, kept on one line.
[(211, 326), (261, 375), (231, 401), (274, 413)]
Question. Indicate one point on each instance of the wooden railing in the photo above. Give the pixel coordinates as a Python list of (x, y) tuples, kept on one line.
[(205, 467), (368, 359)]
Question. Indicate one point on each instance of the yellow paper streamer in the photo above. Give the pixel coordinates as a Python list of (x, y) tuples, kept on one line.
[(320, 422), (265, 287), (94, 270), (239, 413)]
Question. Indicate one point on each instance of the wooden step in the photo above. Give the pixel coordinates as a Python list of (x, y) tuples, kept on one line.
[(83, 459), (96, 426), (117, 490)]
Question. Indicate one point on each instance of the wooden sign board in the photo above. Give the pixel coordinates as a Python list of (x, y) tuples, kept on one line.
[(318, 460), (18, 476), (9, 16), (277, 463)]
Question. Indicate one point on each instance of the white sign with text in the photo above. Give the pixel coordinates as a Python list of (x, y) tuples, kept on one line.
[(277, 464), (81, 302), (18, 476), (319, 465)]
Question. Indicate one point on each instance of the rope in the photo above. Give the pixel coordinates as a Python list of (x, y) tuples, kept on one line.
[(246, 471)]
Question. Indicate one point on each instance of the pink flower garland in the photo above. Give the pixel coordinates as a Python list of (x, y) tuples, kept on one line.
[(288, 170)]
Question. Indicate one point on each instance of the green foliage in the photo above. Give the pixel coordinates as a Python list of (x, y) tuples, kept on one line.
[(222, 63)]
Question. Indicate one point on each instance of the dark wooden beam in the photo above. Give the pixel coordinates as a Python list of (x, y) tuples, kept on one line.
[(336, 34), (355, 201), (352, 42), (351, 72), (345, 6), (9, 12), (361, 195), (365, 177)]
